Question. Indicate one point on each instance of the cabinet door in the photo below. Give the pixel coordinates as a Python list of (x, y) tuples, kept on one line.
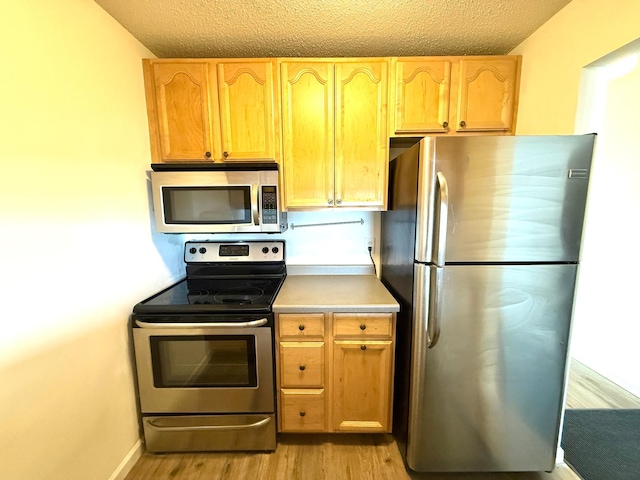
[(247, 105), (183, 110), (362, 140), (362, 386), (422, 96), (308, 133), (487, 94)]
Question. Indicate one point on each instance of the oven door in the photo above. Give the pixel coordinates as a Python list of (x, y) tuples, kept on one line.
[(205, 368)]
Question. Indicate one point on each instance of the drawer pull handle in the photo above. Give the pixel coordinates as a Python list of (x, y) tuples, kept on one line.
[(300, 327), (363, 327), (363, 347), (302, 367), (302, 413)]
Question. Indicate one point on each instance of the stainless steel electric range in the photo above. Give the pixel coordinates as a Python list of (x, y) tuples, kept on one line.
[(204, 351)]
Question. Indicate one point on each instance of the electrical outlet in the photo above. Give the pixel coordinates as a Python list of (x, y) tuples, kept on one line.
[(369, 243)]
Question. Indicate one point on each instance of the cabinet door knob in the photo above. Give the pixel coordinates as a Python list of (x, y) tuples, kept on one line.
[(363, 327), (463, 124), (225, 154), (300, 327), (207, 154), (339, 201), (363, 347), (302, 367), (302, 413), (445, 124), (330, 201)]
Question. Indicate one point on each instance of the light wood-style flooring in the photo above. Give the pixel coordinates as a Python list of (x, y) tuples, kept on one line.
[(357, 457)]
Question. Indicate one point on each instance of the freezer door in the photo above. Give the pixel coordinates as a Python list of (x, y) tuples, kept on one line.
[(510, 199), (488, 395)]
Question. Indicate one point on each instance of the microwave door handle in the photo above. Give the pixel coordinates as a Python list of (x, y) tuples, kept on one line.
[(254, 204), (254, 323)]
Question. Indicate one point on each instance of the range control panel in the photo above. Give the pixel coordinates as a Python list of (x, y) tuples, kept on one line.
[(216, 252)]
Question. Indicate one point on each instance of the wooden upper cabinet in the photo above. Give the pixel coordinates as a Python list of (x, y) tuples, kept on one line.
[(183, 111), (421, 95), (218, 110), (361, 134), (487, 93), (454, 95), (328, 120), (308, 133), (247, 106), (335, 137)]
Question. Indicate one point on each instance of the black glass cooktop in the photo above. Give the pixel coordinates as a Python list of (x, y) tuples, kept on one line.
[(215, 295)]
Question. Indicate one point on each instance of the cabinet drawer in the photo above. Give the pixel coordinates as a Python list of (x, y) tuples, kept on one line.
[(302, 410), (362, 325), (301, 364), (300, 325)]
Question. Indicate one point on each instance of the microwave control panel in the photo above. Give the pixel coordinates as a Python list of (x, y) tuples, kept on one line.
[(269, 204)]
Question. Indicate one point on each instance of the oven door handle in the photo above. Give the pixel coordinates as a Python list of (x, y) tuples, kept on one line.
[(254, 323), (193, 428)]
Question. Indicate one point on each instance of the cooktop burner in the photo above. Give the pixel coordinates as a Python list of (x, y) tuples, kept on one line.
[(241, 277), (232, 291)]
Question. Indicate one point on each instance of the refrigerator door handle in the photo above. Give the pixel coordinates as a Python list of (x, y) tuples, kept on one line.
[(436, 275), (440, 218), (428, 295), (435, 301)]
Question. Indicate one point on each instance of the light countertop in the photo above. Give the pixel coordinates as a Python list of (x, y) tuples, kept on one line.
[(344, 293)]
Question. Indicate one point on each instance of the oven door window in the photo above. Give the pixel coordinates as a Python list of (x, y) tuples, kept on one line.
[(204, 361), (207, 205)]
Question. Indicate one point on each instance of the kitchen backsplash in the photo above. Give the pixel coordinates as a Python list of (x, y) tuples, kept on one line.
[(320, 238)]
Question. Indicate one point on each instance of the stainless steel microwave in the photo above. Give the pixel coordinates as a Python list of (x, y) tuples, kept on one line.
[(217, 198)]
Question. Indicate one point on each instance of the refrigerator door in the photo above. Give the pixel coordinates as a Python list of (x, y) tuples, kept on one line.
[(509, 199), (488, 395)]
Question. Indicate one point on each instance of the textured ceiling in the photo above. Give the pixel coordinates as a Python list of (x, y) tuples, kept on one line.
[(330, 28)]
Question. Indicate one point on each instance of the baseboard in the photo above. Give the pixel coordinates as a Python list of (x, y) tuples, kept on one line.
[(560, 456), (128, 462)]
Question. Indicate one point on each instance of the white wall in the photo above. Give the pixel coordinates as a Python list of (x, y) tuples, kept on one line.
[(76, 246), (554, 56), (77, 249), (606, 335)]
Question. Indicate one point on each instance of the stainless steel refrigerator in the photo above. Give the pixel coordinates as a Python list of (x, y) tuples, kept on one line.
[(481, 247)]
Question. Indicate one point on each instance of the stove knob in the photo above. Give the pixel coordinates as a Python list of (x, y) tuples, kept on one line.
[(203, 250), (275, 249), (265, 249), (192, 250)]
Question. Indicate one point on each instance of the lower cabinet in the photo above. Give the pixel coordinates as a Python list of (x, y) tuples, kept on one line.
[(335, 371), (361, 383)]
